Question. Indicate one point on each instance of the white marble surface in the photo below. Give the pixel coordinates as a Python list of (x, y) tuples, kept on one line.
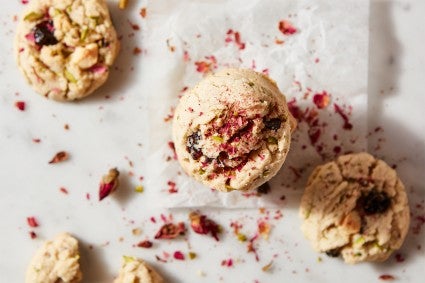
[(30, 187)]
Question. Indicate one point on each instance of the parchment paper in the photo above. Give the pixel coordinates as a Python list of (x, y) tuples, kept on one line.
[(328, 52)]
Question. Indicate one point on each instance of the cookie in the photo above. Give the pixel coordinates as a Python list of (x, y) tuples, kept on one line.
[(232, 131), (65, 48), (56, 261), (136, 270), (355, 207)]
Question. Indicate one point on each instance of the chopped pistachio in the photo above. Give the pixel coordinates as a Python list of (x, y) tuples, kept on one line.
[(33, 16), (84, 33), (139, 189), (201, 171), (272, 140), (217, 138), (192, 255), (359, 241), (70, 77), (241, 237), (128, 259)]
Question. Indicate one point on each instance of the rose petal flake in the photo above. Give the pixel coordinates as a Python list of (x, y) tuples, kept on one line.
[(203, 225), (59, 157), (32, 222), (20, 105), (178, 255), (109, 183), (171, 231), (321, 99), (287, 28), (145, 244)]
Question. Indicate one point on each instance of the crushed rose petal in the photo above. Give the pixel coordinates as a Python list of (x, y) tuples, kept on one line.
[(33, 235), (321, 99), (386, 277), (227, 262), (137, 51), (59, 157), (264, 229), (145, 244), (206, 66), (171, 231), (20, 105), (203, 225), (287, 28), (172, 187), (32, 222), (109, 183), (178, 255), (143, 12), (63, 190), (173, 149)]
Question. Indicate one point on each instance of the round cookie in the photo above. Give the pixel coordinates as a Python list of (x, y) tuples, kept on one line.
[(56, 261), (355, 207), (65, 48), (137, 270), (232, 131)]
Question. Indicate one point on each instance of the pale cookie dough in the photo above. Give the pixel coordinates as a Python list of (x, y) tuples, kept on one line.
[(135, 270), (65, 48), (232, 131), (356, 207), (56, 261)]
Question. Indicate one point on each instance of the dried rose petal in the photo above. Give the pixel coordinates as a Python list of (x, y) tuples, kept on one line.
[(143, 12), (203, 225), (264, 229), (33, 235), (171, 231), (20, 105), (145, 244), (59, 157), (109, 183), (287, 28), (178, 255), (386, 277), (267, 267), (321, 99), (32, 222)]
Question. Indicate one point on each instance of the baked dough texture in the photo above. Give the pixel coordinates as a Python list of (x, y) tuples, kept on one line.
[(56, 261), (232, 131), (135, 270), (65, 48), (356, 207)]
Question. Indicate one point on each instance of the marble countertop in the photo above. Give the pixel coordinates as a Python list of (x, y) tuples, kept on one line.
[(107, 230)]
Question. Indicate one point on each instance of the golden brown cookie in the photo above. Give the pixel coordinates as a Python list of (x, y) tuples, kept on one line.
[(232, 131), (356, 207)]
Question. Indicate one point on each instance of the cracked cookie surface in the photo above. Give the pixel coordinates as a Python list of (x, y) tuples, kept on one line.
[(355, 207), (65, 48), (232, 131), (135, 270), (56, 261)]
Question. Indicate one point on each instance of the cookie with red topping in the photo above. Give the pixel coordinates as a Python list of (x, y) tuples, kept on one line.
[(232, 131), (65, 48)]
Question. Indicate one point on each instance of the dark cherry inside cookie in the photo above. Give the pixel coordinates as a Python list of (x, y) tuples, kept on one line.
[(192, 145), (44, 33), (273, 124), (375, 202)]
